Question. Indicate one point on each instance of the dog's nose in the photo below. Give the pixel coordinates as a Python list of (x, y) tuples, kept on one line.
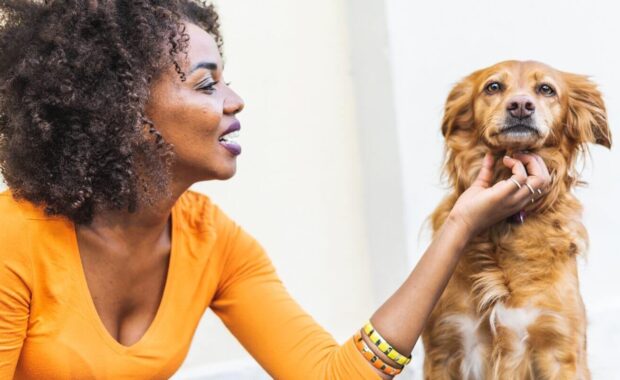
[(521, 106)]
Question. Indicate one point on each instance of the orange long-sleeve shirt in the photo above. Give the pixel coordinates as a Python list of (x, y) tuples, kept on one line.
[(50, 329)]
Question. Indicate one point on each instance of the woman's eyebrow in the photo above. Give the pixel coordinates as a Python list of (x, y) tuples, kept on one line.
[(204, 65)]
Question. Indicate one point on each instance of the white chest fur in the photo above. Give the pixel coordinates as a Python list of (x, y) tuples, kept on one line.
[(475, 354), (517, 319), (472, 365)]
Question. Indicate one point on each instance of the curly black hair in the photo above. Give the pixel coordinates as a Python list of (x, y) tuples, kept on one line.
[(74, 80)]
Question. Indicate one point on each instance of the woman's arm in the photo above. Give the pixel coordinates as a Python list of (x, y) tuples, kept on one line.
[(401, 319), (255, 306), (15, 281)]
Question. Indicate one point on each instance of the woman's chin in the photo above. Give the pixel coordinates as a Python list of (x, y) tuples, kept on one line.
[(228, 175), (223, 173)]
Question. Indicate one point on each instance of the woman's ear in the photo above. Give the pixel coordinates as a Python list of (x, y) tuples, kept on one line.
[(458, 112), (586, 118)]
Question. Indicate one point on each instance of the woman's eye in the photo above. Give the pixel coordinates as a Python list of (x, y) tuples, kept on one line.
[(207, 85), (546, 90), (493, 87)]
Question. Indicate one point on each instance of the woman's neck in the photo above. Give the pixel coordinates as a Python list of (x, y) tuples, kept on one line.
[(147, 225)]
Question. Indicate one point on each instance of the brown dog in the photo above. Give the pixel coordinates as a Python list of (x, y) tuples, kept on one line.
[(512, 310)]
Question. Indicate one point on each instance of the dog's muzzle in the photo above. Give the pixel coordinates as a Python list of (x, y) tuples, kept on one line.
[(516, 127)]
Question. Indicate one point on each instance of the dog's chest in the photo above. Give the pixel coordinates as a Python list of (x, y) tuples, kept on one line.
[(520, 262), (506, 283), (508, 324)]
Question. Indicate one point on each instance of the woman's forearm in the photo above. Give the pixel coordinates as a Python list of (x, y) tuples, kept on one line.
[(401, 319)]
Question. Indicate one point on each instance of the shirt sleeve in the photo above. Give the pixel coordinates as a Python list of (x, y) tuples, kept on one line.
[(15, 295), (254, 305)]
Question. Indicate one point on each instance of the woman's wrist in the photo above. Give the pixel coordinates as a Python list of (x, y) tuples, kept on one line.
[(460, 225)]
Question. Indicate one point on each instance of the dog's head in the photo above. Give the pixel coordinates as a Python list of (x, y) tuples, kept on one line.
[(515, 106)]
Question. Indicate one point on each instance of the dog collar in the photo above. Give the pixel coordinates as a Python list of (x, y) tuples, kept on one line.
[(518, 218)]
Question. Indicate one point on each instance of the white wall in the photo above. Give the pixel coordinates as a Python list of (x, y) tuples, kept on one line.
[(299, 187), (436, 43)]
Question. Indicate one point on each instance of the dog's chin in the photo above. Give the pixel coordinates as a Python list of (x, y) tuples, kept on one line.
[(516, 137)]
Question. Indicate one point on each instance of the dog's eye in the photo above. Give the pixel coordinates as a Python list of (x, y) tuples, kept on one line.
[(546, 90), (493, 87)]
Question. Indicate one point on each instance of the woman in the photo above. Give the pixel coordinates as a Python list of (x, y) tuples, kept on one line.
[(109, 112)]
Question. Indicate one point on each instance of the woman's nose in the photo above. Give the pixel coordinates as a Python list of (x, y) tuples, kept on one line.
[(233, 103)]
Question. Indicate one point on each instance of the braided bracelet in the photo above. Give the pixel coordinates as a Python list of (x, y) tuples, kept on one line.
[(372, 358)]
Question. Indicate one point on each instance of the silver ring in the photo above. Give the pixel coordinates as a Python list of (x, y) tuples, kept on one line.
[(516, 182), (539, 191), (531, 188)]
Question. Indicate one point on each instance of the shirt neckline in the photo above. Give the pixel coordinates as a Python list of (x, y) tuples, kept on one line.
[(86, 297)]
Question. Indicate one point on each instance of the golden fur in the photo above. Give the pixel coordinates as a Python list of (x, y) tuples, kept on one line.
[(512, 309)]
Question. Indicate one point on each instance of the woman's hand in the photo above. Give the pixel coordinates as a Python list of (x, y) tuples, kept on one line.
[(483, 205)]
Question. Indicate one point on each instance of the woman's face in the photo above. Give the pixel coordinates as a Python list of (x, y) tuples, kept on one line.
[(198, 116)]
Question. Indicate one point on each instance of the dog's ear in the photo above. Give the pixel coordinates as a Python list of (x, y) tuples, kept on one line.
[(458, 113), (458, 128), (586, 118)]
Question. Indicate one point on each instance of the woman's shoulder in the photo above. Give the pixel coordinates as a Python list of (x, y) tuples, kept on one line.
[(193, 198), (200, 213), (18, 220), (197, 211), (15, 211)]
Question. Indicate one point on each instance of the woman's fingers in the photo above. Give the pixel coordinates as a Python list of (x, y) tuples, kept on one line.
[(538, 174), (529, 178), (486, 172), (534, 165), (482, 204), (540, 160), (537, 179), (513, 184), (516, 183), (518, 170), (508, 190)]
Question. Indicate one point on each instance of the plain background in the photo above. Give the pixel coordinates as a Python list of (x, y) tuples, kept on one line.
[(342, 149)]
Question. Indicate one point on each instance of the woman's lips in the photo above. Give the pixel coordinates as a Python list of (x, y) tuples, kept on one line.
[(232, 147), (228, 139)]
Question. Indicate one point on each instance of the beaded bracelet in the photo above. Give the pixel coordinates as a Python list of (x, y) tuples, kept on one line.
[(384, 346), (372, 358)]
